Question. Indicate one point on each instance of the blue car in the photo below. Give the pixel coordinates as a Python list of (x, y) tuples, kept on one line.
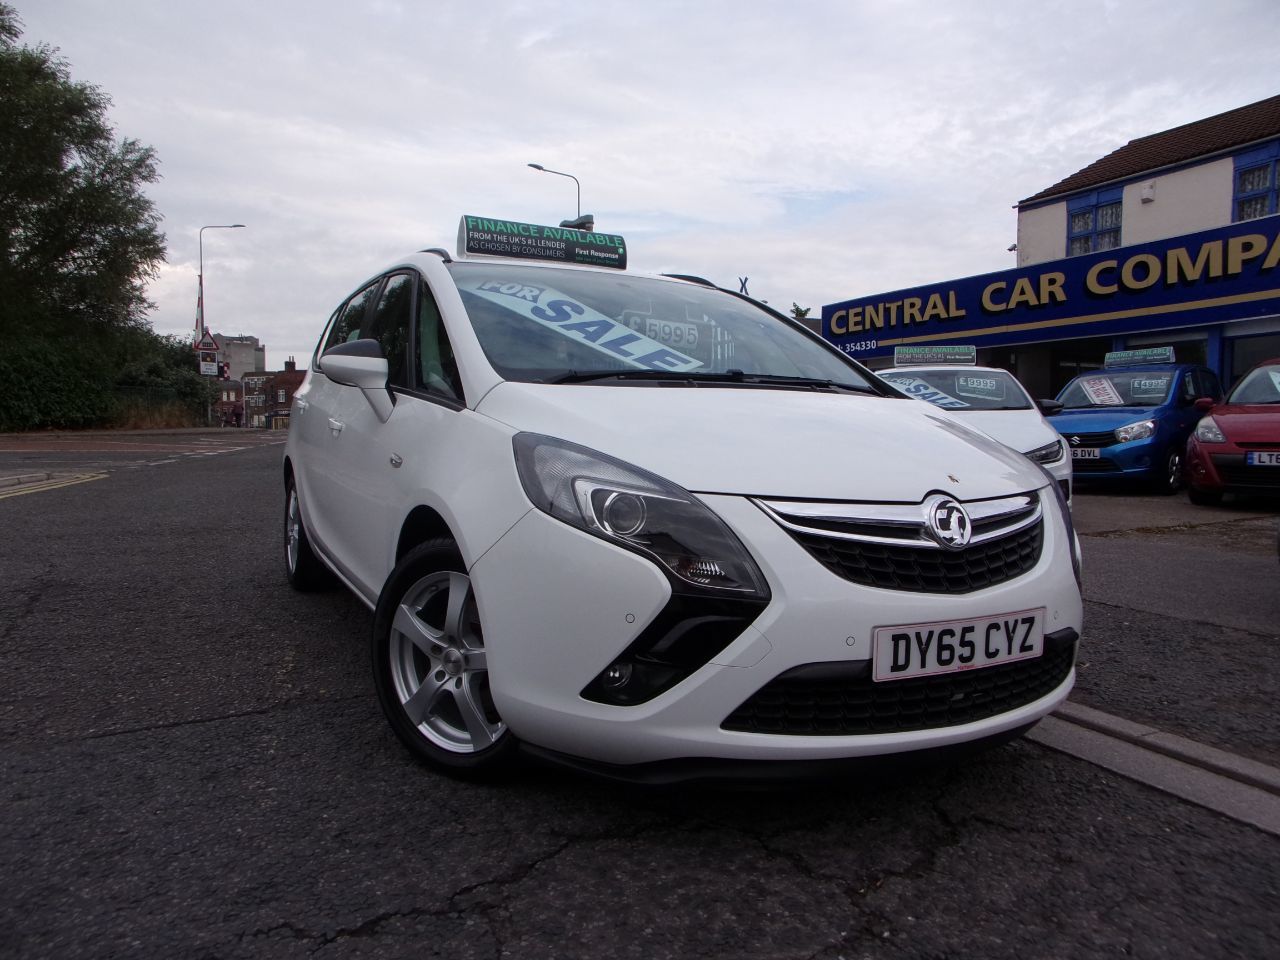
[(1129, 422)]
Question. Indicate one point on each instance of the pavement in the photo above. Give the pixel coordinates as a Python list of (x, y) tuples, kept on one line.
[(14, 479)]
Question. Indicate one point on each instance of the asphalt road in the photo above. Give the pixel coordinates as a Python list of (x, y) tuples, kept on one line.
[(194, 765)]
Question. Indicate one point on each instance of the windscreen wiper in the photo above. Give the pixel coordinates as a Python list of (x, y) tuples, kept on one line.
[(810, 383), (693, 376), (573, 376)]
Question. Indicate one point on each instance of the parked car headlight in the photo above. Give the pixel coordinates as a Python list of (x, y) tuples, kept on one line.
[(638, 511), (1208, 431), (1136, 431), (1049, 453)]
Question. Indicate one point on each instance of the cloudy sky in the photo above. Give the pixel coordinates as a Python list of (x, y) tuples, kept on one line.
[(825, 150)]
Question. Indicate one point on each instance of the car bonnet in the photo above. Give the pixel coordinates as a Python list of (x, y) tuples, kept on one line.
[(777, 443)]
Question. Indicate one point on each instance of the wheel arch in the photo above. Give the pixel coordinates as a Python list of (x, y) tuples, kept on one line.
[(422, 524)]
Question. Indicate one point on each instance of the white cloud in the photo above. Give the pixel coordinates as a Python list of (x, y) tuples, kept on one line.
[(823, 149)]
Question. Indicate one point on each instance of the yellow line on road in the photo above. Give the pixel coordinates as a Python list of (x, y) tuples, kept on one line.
[(52, 484)]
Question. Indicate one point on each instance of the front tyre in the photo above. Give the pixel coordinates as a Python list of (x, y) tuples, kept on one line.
[(1167, 480), (430, 666)]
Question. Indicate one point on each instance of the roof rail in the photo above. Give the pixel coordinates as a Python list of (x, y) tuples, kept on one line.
[(440, 252), (690, 278)]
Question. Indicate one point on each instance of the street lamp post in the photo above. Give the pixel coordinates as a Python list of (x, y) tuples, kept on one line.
[(200, 292), (581, 223)]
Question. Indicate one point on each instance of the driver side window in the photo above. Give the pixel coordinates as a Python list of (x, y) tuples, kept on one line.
[(389, 324), (352, 321), (436, 365)]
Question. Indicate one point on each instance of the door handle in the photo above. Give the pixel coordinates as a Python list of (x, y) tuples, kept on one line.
[(335, 425)]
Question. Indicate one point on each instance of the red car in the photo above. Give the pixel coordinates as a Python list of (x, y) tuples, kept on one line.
[(1236, 447)]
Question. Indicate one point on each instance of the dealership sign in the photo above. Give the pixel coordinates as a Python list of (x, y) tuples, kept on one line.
[(1231, 273)]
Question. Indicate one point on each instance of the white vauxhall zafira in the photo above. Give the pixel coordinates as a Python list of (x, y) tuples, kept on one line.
[(654, 528)]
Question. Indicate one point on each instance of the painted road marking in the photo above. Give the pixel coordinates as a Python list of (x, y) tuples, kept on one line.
[(53, 483)]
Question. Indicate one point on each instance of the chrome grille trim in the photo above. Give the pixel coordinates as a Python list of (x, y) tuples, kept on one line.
[(901, 524)]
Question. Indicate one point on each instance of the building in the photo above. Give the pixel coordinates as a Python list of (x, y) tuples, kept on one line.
[(1173, 238), (253, 392), (278, 391), (243, 354)]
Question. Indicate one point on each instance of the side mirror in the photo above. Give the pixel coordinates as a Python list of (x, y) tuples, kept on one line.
[(360, 363), (1049, 407), (1205, 404)]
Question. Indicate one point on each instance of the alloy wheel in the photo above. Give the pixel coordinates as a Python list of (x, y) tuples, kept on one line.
[(438, 664)]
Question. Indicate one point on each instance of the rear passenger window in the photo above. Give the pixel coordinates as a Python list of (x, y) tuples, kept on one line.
[(352, 319), (390, 323)]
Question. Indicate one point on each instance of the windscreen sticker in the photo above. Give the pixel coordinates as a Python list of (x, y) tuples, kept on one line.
[(576, 321), (674, 333), (981, 388), (923, 390), (1148, 388), (1101, 392)]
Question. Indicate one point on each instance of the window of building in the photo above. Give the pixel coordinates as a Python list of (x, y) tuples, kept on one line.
[(1093, 222), (279, 396), (1257, 184), (1247, 352)]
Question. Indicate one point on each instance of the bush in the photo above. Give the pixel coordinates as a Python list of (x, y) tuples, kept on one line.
[(132, 378)]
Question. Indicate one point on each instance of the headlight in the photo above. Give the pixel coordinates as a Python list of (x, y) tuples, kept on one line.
[(1208, 431), (1049, 453), (1136, 431), (638, 511)]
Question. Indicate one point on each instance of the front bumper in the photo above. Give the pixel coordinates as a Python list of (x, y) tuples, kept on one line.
[(1223, 468), (1135, 460), (551, 627)]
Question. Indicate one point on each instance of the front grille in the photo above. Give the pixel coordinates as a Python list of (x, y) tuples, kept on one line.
[(841, 699), (900, 546), (1100, 465), (924, 569), (1102, 438)]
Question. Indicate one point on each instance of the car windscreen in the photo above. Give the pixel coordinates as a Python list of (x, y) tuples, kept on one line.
[(538, 324), (1260, 385), (961, 388), (1118, 388)]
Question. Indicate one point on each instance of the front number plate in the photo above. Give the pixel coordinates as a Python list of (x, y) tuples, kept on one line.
[(928, 649), (1263, 458), (1085, 453)]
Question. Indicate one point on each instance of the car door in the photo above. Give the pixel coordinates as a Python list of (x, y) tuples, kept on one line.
[(387, 463), (323, 474)]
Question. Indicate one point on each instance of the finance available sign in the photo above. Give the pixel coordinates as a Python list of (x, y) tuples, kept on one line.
[(532, 241)]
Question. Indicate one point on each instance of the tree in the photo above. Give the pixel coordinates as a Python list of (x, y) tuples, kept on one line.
[(798, 311), (79, 238)]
